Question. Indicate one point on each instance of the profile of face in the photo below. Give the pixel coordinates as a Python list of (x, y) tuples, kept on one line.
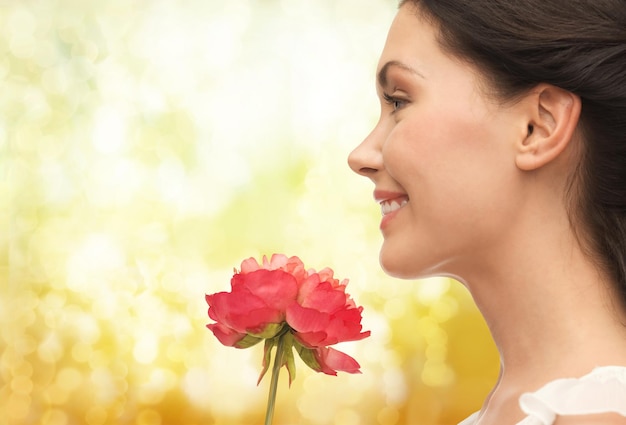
[(442, 157)]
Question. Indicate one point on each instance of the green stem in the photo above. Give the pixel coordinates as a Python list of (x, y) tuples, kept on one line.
[(271, 400)]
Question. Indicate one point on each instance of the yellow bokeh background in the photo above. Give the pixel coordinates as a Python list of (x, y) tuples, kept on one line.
[(146, 148)]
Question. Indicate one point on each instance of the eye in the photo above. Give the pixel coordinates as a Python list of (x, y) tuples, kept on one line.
[(395, 102)]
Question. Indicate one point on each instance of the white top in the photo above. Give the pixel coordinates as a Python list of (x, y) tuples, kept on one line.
[(601, 391)]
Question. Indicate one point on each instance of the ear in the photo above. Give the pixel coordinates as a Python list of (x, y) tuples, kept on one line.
[(552, 117)]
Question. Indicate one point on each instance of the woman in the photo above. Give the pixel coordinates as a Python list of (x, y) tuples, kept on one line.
[(500, 159)]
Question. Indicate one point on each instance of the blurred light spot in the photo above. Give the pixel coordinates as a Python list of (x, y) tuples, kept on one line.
[(160, 381), (82, 69), (176, 353), (81, 352), (11, 359), (347, 417), (436, 351), (25, 345), (148, 417), (22, 385), (109, 130), (395, 308), (18, 406), (151, 98), (430, 330), (96, 415), (68, 379), (3, 129), (87, 328), (153, 233), (97, 254), (59, 187), (444, 309), (22, 24), (45, 53), (437, 374), (51, 349), (119, 369), (115, 181), (39, 109), (388, 416), (172, 180), (429, 290), (104, 388), (309, 407), (146, 348), (55, 80), (57, 396), (54, 417), (163, 378), (24, 369), (181, 326), (395, 386), (197, 386), (105, 307)]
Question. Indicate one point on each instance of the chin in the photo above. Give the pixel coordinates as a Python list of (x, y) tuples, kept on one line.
[(399, 266), (413, 267)]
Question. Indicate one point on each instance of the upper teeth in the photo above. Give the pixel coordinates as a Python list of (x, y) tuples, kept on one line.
[(393, 205)]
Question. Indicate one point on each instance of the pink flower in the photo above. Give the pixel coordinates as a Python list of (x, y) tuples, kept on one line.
[(324, 314), (278, 299), (255, 307)]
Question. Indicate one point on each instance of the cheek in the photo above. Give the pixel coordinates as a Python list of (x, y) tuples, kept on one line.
[(431, 139), (453, 159)]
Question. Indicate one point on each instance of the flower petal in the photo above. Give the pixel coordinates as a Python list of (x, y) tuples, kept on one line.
[(341, 331), (226, 335), (249, 265), (325, 298), (313, 339), (335, 360), (304, 319), (276, 288), (295, 267), (345, 325), (277, 261), (239, 310), (257, 321)]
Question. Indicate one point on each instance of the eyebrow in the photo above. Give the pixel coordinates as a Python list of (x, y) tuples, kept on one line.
[(382, 74)]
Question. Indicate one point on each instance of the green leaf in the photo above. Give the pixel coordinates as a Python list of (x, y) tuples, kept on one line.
[(267, 357), (307, 356), (288, 357), (248, 341), (270, 331)]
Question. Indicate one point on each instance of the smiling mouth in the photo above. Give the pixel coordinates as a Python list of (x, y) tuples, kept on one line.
[(391, 205)]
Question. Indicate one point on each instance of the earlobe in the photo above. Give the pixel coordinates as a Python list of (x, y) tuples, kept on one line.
[(552, 117)]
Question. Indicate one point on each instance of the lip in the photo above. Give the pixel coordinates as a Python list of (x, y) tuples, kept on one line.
[(385, 195)]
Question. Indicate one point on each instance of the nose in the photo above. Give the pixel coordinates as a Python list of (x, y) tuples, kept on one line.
[(367, 159)]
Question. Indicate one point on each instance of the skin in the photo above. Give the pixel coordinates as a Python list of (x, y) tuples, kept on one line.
[(486, 184)]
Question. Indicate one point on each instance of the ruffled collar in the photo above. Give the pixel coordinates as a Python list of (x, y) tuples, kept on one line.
[(601, 391)]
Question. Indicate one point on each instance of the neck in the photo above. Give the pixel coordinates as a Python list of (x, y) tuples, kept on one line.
[(539, 319), (557, 318)]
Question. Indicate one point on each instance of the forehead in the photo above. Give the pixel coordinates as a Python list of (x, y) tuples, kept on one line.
[(411, 40)]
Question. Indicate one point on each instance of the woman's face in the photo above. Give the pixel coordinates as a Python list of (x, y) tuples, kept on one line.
[(441, 157)]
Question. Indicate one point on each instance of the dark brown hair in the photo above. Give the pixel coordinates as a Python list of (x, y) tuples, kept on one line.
[(579, 46)]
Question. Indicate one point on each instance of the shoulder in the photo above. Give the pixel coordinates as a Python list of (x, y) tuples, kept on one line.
[(596, 398)]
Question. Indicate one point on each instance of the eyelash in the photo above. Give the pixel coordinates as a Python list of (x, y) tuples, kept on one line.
[(396, 103)]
